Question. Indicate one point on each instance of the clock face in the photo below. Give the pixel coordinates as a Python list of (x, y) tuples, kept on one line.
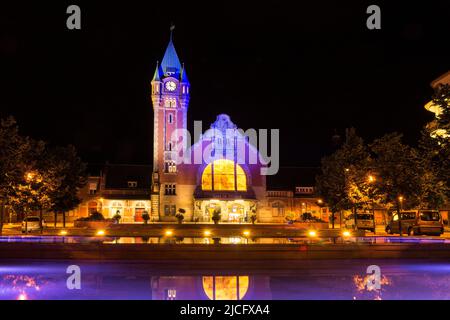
[(171, 86)]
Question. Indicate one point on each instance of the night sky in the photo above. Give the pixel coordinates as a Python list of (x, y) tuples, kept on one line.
[(308, 70)]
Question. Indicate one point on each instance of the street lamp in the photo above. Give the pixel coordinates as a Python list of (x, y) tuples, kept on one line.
[(29, 177), (400, 208), (371, 179)]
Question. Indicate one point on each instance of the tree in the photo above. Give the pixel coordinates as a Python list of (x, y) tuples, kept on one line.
[(68, 173), (21, 187), (434, 164), (342, 181), (11, 152), (398, 168), (441, 99)]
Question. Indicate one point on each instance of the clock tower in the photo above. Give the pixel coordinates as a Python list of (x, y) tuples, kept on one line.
[(170, 99)]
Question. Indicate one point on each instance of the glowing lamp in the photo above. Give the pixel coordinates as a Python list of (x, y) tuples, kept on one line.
[(312, 233), (207, 233), (346, 233), (168, 233), (63, 233), (100, 233), (246, 233)]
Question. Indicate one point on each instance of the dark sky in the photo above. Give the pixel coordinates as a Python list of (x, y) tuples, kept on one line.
[(308, 70)]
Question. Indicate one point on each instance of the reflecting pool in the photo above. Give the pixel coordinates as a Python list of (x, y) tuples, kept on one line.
[(331, 279)]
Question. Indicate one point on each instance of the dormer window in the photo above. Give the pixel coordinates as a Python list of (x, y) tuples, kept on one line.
[(132, 184)]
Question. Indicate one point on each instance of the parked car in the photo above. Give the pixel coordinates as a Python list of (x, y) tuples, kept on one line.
[(417, 222), (364, 221), (31, 223)]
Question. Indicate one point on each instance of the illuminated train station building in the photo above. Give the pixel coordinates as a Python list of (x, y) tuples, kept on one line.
[(229, 182)]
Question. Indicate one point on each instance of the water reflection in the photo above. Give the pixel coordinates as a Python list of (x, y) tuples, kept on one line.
[(316, 280), (220, 240)]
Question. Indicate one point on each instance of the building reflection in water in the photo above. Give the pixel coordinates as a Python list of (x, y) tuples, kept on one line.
[(329, 280), (217, 287)]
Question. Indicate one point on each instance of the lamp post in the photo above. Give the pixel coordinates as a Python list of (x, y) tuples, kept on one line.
[(354, 211), (400, 205)]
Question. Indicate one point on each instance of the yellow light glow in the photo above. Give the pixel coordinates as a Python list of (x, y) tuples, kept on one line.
[(371, 178), (100, 233), (320, 201), (228, 176), (346, 233), (168, 233), (312, 233), (400, 198), (22, 296), (207, 233), (246, 233), (63, 232)]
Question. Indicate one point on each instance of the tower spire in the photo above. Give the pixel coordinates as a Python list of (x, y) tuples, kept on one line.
[(172, 27), (157, 74)]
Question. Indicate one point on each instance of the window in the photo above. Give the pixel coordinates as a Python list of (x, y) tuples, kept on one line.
[(304, 190), (170, 167), (170, 189), (170, 118), (170, 103), (170, 210), (224, 175), (92, 188), (277, 209), (132, 184), (430, 216), (116, 208)]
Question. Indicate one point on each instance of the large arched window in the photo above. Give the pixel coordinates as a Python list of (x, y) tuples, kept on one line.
[(224, 175)]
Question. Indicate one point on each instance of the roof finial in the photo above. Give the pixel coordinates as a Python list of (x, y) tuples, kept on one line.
[(172, 27)]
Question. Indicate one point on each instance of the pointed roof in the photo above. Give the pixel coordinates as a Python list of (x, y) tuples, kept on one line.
[(170, 62), (184, 77), (158, 73)]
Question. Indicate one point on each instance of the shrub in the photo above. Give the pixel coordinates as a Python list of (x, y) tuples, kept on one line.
[(216, 215), (145, 217), (95, 216)]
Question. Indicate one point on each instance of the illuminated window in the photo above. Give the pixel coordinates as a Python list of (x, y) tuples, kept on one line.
[(170, 102), (170, 189), (116, 208), (226, 288), (132, 184), (92, 188), (170, 166), (224, 175)]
